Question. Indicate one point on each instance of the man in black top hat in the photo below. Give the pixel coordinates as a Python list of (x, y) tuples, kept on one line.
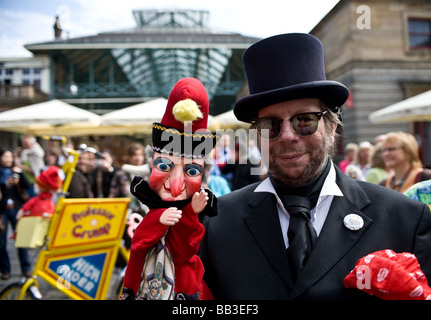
[(299, 233)]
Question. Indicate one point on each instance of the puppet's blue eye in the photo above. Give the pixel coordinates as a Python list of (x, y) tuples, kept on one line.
[(193, 170), (163, 164)]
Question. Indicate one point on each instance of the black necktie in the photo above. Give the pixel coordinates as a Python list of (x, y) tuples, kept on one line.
[(301, 233), (298, 201)]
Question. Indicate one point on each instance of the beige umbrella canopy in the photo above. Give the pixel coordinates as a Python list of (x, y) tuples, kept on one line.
[(416, 108), (58, 118), (138, 118), (227, 120), (48, 118)]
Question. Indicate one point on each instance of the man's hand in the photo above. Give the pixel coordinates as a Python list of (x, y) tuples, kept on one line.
[(170, 216), (199, 201)]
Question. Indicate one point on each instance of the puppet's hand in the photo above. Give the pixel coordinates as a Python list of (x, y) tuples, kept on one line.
[(170, 216), (199, 201)]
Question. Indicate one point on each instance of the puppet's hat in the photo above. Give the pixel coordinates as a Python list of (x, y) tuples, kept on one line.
[(49, 178), (183, 128)]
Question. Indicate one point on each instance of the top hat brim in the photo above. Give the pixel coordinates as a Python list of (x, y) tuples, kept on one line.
[(332, 93)]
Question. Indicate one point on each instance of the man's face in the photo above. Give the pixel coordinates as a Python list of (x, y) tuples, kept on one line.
[(83, 162), (294, 159), (175, 178), (26, 143), (137, 158)]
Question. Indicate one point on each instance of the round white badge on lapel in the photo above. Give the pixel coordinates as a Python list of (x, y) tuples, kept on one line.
[(353, 222)]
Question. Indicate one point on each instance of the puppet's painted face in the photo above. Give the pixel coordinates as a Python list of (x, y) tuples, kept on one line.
[(175, 178)]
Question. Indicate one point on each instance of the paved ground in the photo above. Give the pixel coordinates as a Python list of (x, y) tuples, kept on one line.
[(48, 291)]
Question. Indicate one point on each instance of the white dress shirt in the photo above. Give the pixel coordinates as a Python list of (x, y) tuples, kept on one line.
[(318, 213)]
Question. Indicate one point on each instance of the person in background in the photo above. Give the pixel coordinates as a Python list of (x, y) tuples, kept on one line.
[(15, 193), (80, 185), (224, 154), (102, 175), (350, 151), (362, 162), (420, 191), (216, 183), (378, 171), (52, 156), (240, 170), (134, 166), (401, 155), (31, 160)]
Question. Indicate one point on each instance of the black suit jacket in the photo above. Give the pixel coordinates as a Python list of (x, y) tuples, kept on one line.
[(244, 254)]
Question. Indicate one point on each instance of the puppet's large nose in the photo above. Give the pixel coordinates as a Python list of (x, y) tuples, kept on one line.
[(176, 181)]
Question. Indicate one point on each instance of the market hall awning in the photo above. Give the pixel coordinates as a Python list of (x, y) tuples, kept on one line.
[(46, 118), (416, 108)]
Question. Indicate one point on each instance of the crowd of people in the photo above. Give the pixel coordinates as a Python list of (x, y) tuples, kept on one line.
[(98, 174), (392, 161)]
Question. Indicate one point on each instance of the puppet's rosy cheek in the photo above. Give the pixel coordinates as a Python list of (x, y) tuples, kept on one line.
[(157, 178), (192, 185)]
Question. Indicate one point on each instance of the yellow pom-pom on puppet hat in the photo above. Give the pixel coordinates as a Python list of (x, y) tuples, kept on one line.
[(186, 116), (186, 110)]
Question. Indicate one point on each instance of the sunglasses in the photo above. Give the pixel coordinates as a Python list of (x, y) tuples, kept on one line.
[(304, 124)]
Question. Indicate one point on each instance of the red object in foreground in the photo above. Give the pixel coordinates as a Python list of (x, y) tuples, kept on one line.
[(390, 276)]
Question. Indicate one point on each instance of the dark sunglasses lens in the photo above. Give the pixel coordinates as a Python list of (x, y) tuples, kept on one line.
[(305, 124), (269, 128)]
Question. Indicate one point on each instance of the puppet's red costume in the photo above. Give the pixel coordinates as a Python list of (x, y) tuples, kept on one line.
[(163, 261), (182, 240)]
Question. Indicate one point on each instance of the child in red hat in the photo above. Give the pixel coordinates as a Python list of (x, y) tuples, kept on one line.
[(42, 204)]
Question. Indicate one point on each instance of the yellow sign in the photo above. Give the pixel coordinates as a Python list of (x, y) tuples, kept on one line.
[(84, 222), (79, 274)]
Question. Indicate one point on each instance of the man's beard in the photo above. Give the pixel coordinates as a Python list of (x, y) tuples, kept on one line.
[(316, 163)]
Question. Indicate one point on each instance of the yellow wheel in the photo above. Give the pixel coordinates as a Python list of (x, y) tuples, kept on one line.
[(12, 292)]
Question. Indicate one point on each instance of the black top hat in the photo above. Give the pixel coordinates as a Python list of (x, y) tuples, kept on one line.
[(287, 67)]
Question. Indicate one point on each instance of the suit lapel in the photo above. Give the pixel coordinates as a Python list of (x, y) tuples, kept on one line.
[(262, 218), (335, 239)]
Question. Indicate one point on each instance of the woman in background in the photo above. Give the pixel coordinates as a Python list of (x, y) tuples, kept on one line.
[(378, 170), (401, 155), (15, 193)]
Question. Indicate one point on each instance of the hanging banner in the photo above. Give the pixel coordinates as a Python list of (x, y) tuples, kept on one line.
[(80, 275), (86, 222)]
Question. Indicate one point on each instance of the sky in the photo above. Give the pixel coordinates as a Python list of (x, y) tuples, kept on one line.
[(31, 21)]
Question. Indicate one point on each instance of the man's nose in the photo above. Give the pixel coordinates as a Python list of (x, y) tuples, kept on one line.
[(176, 181), (287, 131)]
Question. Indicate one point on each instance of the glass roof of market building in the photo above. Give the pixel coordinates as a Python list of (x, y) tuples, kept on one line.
[(114, 69)]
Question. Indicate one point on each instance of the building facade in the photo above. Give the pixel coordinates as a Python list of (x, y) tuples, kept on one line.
[(23, 81), (381, 50)]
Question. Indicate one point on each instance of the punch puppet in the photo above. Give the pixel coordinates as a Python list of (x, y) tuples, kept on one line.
[(163, 262)]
